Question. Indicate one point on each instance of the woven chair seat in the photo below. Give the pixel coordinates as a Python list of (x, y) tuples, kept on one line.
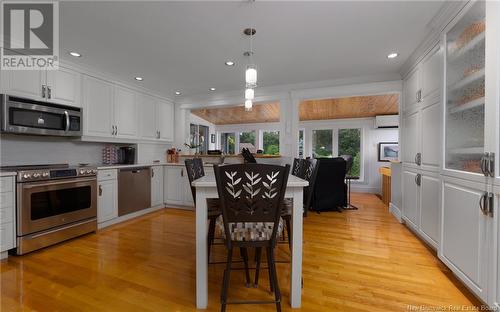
[(249, 231)]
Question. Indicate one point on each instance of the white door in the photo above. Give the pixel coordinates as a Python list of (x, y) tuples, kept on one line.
[(148, 112), (411, 143), (464, 239), (431, 134), (156, 186), (24, 83), (107, 200), (411, 87), (429, 207), (125, 113), (432, 72), (166, 120), (173, 185), (410, 193), (64, 87), (97, 107)]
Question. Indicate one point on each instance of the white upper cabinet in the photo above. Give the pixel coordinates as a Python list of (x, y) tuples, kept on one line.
[(63, 87), (166, 121), (60, 86), (97, 107), (148, 113), (125, 113), (157, 119), (411, 89), (432, 73)]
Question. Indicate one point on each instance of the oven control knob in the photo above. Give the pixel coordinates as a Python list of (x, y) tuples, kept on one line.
[(88, 171), (45, 174), (26, 176), (82, 171), (36, 175)]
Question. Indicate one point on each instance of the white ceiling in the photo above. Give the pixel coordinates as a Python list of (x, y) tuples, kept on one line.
[(183, 45)]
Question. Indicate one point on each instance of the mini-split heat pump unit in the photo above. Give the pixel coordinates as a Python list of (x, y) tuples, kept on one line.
[(387, 121)]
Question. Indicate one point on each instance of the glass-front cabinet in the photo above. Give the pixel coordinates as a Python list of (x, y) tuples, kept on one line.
[(465, 91)]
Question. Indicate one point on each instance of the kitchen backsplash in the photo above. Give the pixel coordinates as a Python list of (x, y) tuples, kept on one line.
[(31, 150)]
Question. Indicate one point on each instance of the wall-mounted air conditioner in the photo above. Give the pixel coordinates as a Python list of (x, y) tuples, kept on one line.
[(387, 121)]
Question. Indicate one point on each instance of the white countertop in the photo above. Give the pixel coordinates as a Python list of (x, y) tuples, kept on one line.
[(7, 173), (121, 166), (209, 181)]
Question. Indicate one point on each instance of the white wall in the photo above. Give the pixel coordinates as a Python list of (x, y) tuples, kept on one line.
[(150, 152)]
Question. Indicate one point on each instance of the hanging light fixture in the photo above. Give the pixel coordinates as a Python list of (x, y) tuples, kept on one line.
[(248, 105), (250, 72)]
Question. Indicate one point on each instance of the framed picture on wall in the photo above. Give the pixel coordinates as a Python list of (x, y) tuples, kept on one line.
[(388, 151), (212, 138)]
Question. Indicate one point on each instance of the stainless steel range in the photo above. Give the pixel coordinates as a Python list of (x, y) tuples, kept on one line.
[(54, 203)]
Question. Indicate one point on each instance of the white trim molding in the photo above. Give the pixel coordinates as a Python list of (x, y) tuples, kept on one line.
[(396, 212)]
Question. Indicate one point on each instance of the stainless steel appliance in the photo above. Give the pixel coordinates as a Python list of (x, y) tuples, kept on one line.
[(24, 116), (54, 203), (126, 155), (134, 190)]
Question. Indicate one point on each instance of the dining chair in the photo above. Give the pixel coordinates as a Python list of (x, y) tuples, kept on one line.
[(250, 199), (195, 170)]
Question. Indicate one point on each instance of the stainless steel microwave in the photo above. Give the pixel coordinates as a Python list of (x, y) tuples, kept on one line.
[(25, 116)]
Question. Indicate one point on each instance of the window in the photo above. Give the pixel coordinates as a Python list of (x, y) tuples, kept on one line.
[(301, 143), (349, 143), (198, 136), (322, 145), (228, 142), (247, 139), (271, 142)]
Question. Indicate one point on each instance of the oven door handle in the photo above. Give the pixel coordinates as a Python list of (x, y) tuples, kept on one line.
[(67, 120), (59, 182)]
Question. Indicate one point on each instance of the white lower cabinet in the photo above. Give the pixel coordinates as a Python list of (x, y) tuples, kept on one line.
[(429, 207), (107, 197), (494, 285), (411, 198), (177, 190), (421, 204), (464, 234), (156, 186), (7, 215)]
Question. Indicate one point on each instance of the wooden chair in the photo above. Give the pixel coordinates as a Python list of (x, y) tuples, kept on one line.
[(195, 170), (250, 198)]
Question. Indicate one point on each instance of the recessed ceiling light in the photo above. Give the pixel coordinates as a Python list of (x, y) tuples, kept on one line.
[(75, 54), (178, 93), (212, 89), (139, 78), (392, 55), (229, 63)]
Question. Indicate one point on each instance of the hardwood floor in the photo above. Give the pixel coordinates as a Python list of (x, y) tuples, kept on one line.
[(360, 260)]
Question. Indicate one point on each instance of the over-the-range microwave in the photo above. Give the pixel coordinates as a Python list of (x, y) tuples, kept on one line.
[(25, 116)]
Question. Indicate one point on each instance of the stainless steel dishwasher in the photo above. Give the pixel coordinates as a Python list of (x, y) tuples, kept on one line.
[(134, 189)]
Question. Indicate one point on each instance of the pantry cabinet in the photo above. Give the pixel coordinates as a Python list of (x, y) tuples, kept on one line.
[(61, 86), (411, 198), (156, 186)]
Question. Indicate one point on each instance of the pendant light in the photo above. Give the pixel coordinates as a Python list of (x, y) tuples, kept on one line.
[(250, 72)]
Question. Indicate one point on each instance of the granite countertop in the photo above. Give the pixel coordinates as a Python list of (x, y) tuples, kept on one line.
[(122, 166), (8, 173)]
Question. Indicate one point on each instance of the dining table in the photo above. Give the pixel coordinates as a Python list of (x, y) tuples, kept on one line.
[(206, 187)]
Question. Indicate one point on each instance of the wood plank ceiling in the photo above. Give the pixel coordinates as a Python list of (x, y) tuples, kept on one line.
[(264, 112), (348, 107)]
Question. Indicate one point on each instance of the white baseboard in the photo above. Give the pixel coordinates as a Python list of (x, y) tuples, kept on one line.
[(4, 255), (396, 212), (364, 189), (128, 216)]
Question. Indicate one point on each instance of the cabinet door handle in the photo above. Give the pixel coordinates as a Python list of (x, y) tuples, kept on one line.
[(44, 87), (491, 165), (152, 173), (100, 190), (491, 204), (416, 96), (182, 172), (418, 179), (483, 203), (49, 92), (159, 134)]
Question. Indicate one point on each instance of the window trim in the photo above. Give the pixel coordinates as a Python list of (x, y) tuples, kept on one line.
[(261, 139)]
